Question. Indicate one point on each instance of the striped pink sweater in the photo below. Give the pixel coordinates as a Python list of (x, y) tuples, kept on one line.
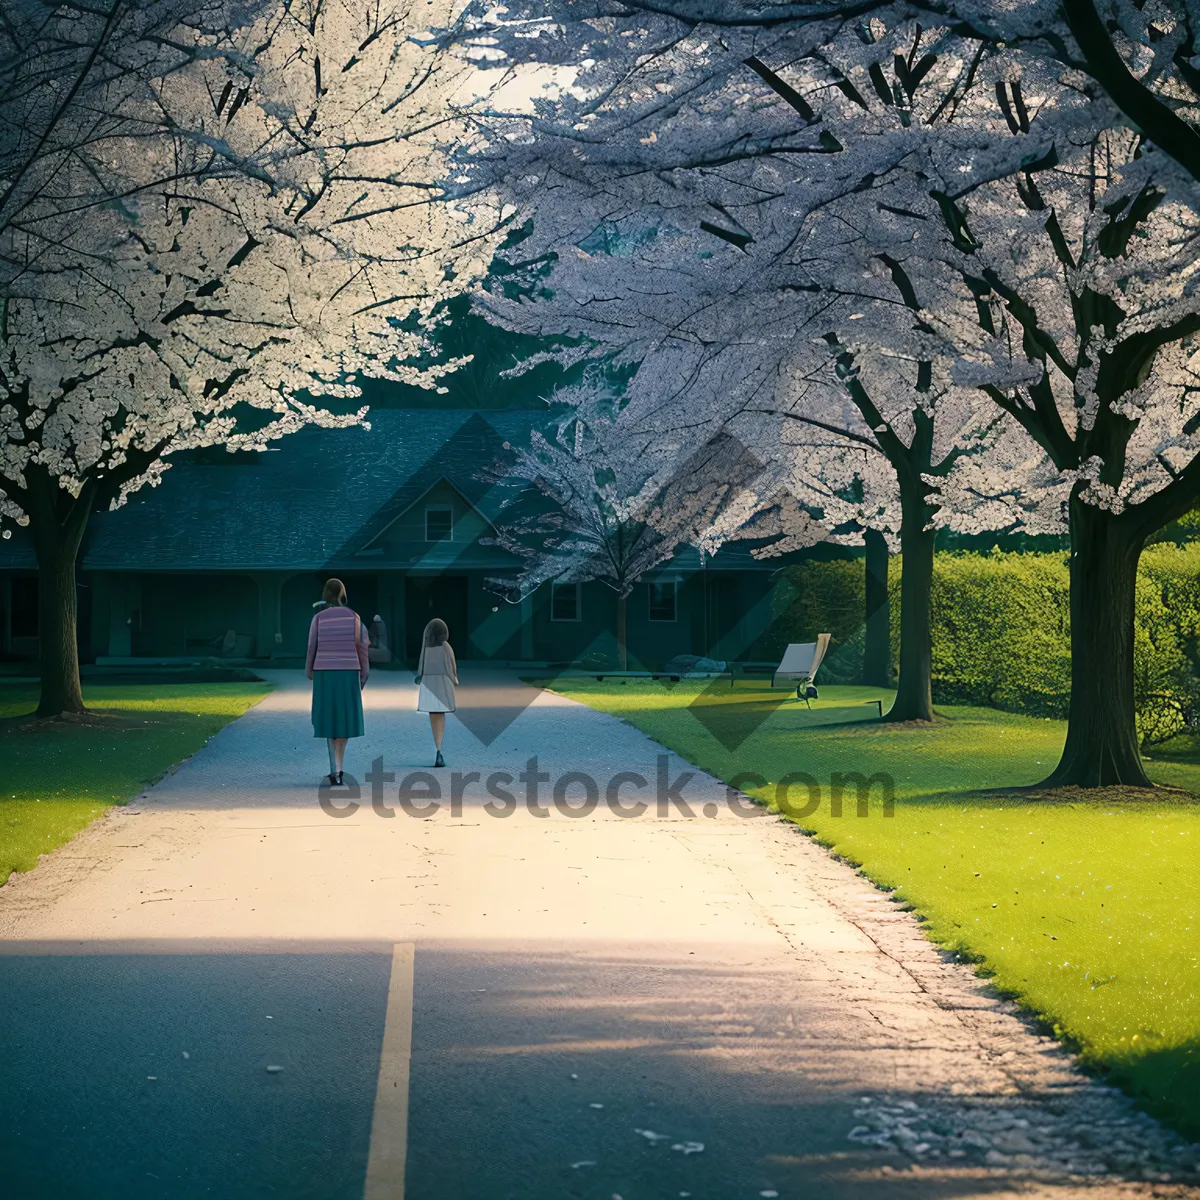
[(331, 644)]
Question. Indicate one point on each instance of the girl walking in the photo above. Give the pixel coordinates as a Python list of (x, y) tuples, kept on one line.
[(338, 667), (437, 674)]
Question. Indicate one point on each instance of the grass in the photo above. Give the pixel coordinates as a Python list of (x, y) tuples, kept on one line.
[(61, 775), (1081, 906)]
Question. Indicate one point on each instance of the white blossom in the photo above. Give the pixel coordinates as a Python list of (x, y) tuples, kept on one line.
[(623, 501), (952, 221), (234, 211)]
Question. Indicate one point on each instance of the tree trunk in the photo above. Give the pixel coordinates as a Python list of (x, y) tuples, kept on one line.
[(877, 652), (57, 522), (622, 649), (58, 646), (1102, 743), (914, 688)]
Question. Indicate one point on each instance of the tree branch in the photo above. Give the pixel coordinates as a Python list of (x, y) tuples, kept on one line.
[(1157, 120)]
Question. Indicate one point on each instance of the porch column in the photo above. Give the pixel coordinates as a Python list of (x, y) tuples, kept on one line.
[(385, 606), (527, 627), (120, 632), (6, 632), (269, 638), (101, 609), (399, 627)]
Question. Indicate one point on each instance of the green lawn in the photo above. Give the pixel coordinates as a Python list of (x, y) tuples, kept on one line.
[(60, 775), (1083, 907)]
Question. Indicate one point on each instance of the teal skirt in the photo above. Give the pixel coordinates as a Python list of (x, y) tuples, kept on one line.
[(337, 705)]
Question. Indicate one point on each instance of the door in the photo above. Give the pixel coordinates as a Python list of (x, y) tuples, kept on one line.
[(429, 596)]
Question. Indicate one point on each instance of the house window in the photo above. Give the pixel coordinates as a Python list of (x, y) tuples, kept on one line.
[(439, 524), (564, 602), (662, 601)]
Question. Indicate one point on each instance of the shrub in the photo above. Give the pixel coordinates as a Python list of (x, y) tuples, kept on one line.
[(1001, 630), (825, 597), (1167, 641)]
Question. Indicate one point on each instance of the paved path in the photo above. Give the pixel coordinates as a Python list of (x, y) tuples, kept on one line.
[(529, 1006)]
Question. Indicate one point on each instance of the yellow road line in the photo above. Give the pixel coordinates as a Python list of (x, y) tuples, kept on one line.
[(389, 1125)]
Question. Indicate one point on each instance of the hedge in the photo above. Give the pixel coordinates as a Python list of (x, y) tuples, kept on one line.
[(824, 597), (1001, 630)]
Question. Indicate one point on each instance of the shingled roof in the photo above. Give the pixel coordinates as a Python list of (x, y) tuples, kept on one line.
[(308, 503), (319, 497)]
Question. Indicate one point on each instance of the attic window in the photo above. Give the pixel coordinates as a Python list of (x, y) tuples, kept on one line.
[(439, 524)]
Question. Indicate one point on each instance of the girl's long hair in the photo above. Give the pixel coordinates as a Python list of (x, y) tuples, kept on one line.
[(435, 633)]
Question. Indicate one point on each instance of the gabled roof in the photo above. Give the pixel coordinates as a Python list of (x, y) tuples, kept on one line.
[(309, 502), (320, 496), (440, 485), (471, 460)]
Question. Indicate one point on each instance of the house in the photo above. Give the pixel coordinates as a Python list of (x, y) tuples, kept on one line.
[(228, 555)]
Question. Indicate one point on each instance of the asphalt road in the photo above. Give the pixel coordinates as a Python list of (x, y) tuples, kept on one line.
[(202, 995)]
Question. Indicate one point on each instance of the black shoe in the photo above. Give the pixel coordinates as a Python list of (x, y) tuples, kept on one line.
[(441, 762), (333, 779), (339, 782)]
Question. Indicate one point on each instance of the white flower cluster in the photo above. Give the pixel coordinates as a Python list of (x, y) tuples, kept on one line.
[(231, 212), (620, 509), (928, 268)]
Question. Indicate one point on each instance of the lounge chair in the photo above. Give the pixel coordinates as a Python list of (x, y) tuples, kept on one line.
[(799, 665)]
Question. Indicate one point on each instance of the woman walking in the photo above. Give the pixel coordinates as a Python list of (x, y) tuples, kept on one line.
[(437, 674), (338, 666)]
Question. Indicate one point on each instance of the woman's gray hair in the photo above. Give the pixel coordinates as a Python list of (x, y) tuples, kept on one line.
[(435, 633)]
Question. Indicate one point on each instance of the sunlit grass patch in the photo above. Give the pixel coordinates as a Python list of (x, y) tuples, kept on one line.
[(60, 775), (1082, 906)]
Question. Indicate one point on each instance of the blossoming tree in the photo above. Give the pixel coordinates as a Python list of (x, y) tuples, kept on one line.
[(1141, 58), (987, 204), (728, 245), (211, 215), (623, 500)]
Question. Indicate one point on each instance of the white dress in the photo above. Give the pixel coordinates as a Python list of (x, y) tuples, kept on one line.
[(439, 674)]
